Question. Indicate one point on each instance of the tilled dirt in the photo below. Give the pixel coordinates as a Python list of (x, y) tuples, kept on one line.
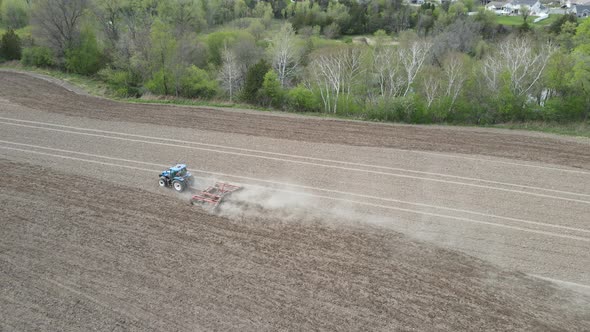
[(44, 95), (80, 254)]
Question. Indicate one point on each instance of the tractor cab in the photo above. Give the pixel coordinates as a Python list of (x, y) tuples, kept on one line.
[(177, 177), (178, 170)]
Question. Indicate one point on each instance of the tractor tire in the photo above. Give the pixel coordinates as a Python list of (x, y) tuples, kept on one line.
[(162, 181), (179, 186)]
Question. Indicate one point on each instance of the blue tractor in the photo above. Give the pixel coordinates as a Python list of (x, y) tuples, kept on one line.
[(176, 177)]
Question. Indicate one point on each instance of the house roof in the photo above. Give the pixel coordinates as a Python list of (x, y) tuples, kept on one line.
[(529, 3), (496, 4)]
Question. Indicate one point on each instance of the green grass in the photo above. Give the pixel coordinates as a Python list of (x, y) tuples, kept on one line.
[(580, 129), (89, 84), (192, 102), (517, 20)]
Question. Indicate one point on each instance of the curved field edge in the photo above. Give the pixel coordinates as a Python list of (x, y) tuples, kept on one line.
[(474, 142), (87, 85)]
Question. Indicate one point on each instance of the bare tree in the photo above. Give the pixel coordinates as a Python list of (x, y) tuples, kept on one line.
[(412, 57), (387, 69), (491, 70), (518, 58), (460, 36), (230, 74), (57, 22), (351, 58), (326, 71), (108, 14), (455, 75), (431, 87), (525, 12), (336, 72), (284, 53)]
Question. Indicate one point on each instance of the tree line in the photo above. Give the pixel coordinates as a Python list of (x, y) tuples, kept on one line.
[(415, 64)]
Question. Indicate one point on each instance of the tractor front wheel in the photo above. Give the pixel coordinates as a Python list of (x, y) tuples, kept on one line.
[(162, 182), (178, 185)]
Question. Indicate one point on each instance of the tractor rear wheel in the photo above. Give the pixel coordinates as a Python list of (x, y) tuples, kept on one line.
[(178, 185), (162, 181)]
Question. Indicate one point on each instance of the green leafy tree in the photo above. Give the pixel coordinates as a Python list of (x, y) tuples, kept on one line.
[(86, 57), (15, 13), (271, 91), (184, 15), (556, 26), (582, 38), (216, 43), (263, 10), (254, 79), (581, 70), (10, 46), (457, 9), (163, 50)]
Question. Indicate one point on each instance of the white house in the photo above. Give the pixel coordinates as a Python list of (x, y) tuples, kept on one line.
[(514, 7), (498, 7), (534, 6)]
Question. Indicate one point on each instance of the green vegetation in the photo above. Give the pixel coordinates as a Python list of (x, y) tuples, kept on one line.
[(301, 97), (571, 129), (10, 46), (372, 60), (38, 56), (517, 20)]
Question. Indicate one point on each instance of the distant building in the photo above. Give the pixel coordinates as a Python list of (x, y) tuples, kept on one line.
[(515, 7), (498, 7), (582, 11)]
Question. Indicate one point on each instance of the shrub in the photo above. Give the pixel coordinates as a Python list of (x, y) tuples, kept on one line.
[(10, 46), (302, 99), (160, 83), (397, 109), (84, 58), (38, 56), (195, 83), (568, 109), (121, 83)]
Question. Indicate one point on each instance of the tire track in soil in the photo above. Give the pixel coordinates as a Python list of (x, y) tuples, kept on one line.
[(212, 273)]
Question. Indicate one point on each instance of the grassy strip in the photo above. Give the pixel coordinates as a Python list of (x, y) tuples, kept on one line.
[(91, 85), (191, 102), (99, 88), (517, 20), (581, 129)]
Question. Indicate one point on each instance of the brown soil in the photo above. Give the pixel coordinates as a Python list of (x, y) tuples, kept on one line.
[(43, 95), (80, 254)]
